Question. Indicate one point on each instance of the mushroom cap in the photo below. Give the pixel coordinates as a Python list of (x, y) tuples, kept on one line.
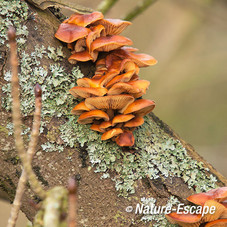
[(87, 82), (141, 85), (80, 108), (182, 219), (121, 87), (217, 223), (88, 117), (84, 19), (115, 102), (126, 139), (69, 33), (218, 194), (122, 118), (105, 124), (94, 34), (111, 133), (125, 77), (140, 107), (135, 122), (113, 26), (86, 92), (108, 43), (142, 60), (80, 56), (96, 127)]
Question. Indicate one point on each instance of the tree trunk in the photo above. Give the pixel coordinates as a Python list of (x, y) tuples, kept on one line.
[(160, 165)]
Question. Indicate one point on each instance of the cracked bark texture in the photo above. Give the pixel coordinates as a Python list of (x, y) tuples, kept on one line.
[(99, 204)]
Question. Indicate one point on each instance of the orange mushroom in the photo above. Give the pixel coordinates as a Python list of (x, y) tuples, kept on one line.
[(120, 87), (126, 139), (87, 82), (218, 194), (111, 133), (80, 108), (122, 118), (84, 19), (135, 122), (140, 107), (115, 102), (86, 92), (109, 43), (217, 223), (113, 26), (69, 33), (96, 127), (80, 56), (88, 117)]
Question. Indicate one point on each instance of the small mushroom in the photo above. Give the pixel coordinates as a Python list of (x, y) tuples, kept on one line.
[(120, 87), (122, 118), (87, 82), (115, 102), (108, 43), (218, 194), (86, 92), (89, 117), (84, 19), (142, 60), (80, 56), (140, 107), (80, 108), (135, 122), (113, 26), (217, 223), (111, 133), (96, 127), (69, 33), (80, 45), (105, 124), (126, 139)]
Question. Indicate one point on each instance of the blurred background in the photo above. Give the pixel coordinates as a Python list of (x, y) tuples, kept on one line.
[(189, 83)]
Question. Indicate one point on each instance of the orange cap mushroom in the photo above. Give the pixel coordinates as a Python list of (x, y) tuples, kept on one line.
[(113, 26), (82, 56), (87, 82), (122, 118), (69, 33), (111, 133), (217, 223), (126, 139), (88, 117), (86, 92), (80, 108), (120, 87), (108, 43), (140, 107), (115, 102), (97, 128), (218, 194), (135, 122), (84, 19)]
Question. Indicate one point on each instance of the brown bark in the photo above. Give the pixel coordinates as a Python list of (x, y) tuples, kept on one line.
[(98, 201)]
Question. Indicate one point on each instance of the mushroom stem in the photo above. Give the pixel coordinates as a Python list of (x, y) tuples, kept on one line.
[(106, 5), (110, 113), (142, 6)]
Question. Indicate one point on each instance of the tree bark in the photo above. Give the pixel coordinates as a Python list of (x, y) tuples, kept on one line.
[(99, 203)]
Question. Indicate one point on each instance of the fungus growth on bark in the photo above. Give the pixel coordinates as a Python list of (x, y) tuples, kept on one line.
[(112, 97), (215, 198)]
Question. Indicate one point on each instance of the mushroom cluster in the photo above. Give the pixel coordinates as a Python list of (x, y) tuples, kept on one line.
[(88, 34), (216, 198), (111, 99)]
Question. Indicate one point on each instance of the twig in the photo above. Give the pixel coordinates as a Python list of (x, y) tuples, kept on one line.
[(143, 5), (106, 5), (16, 115), (72, 188)]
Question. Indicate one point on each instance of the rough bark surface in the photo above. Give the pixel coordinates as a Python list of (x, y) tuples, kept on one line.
[(99, 203)]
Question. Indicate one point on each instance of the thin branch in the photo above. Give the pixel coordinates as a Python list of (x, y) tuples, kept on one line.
[(142, 6), (72, 188), (106, 5), (35, 184), (30, 152)]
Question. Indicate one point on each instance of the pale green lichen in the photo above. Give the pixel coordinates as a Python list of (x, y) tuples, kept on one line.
[(13, 13)]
